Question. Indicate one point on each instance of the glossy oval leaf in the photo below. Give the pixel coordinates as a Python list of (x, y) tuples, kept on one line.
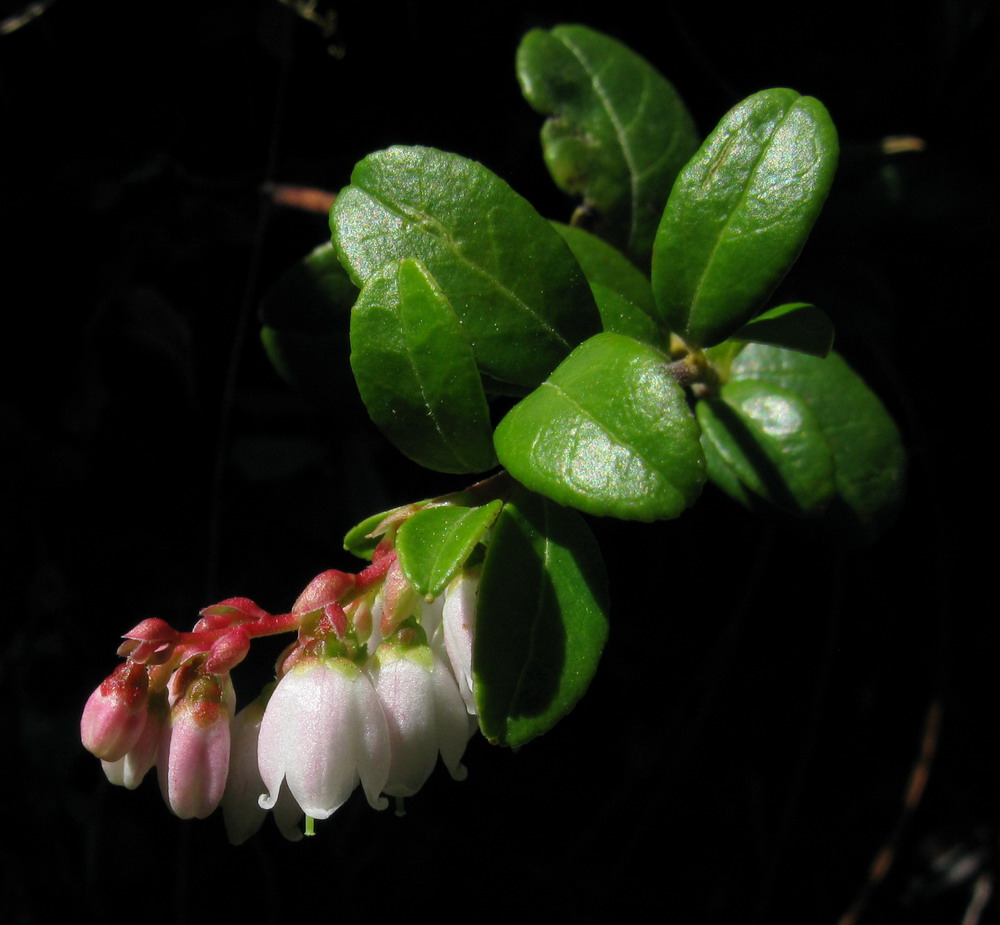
[(617, 132), (514, 285), (869, 462), (763, 442), (541, 621), (740, 213), (609, 432), (417, 373), (434, 543)]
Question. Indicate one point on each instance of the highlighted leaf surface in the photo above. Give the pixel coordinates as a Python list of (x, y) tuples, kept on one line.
[(617, 135), (519, 294), (609, 432), (740, 212), (417, 373)]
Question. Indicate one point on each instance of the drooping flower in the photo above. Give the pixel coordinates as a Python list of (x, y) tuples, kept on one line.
[(129, 770), (241, 807), (193, 761), (458, 624), (323, 731), (115, 714), (424, 712)]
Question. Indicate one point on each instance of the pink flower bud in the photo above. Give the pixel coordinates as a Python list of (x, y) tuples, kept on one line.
[(228, 651), (129, 770), (115, 714), (325, 587), (194, 750), (399, 599), (323, 732), (152, 630), (228, 612)]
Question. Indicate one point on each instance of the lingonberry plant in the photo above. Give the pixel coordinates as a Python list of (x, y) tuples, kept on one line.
[(606, 367)]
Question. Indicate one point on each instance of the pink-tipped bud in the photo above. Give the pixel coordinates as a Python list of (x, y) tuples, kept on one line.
[(228, 651), (399, 599), (194, 751), (129, 771), (152, 630), (239, 609), (115, 714), (325, 588)]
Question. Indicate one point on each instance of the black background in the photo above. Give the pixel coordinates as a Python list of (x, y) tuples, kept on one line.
[(745, 748)]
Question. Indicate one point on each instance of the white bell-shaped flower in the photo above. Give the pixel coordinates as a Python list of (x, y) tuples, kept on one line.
[(424, 712), (323, 731)]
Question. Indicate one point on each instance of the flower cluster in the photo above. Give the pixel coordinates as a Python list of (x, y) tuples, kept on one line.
[(377, 684)]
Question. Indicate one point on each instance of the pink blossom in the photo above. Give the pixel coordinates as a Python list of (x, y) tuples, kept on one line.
[(115, 714), (193, 761)]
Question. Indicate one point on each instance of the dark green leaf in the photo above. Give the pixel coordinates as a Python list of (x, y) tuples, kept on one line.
[(868, 456), (518, 292), (618, 132), (762, 441), (607, 266), (541, 620), (434, 543), (620, 316), (797, 326), (305, 318), (740, 212), (609, 432), (416, 371)]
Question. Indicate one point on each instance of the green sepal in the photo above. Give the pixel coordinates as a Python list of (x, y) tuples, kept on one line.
[(362, 538), (764, 443), (796, 326), (609, 432), (740, 212), (617, 132), (541, 620), (518, 292), (417, 373), (434, 543), (869, 461)]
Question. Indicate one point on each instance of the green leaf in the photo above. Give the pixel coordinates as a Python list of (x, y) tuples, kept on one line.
[(797, 326), (416, 371), (362, 538), (607, 266), (434, 543), (869, 462), (618, 132), (305, 317), (620, 316), (609, 432), (541, 621), (740, 212), (763, 442), (514, 285)]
